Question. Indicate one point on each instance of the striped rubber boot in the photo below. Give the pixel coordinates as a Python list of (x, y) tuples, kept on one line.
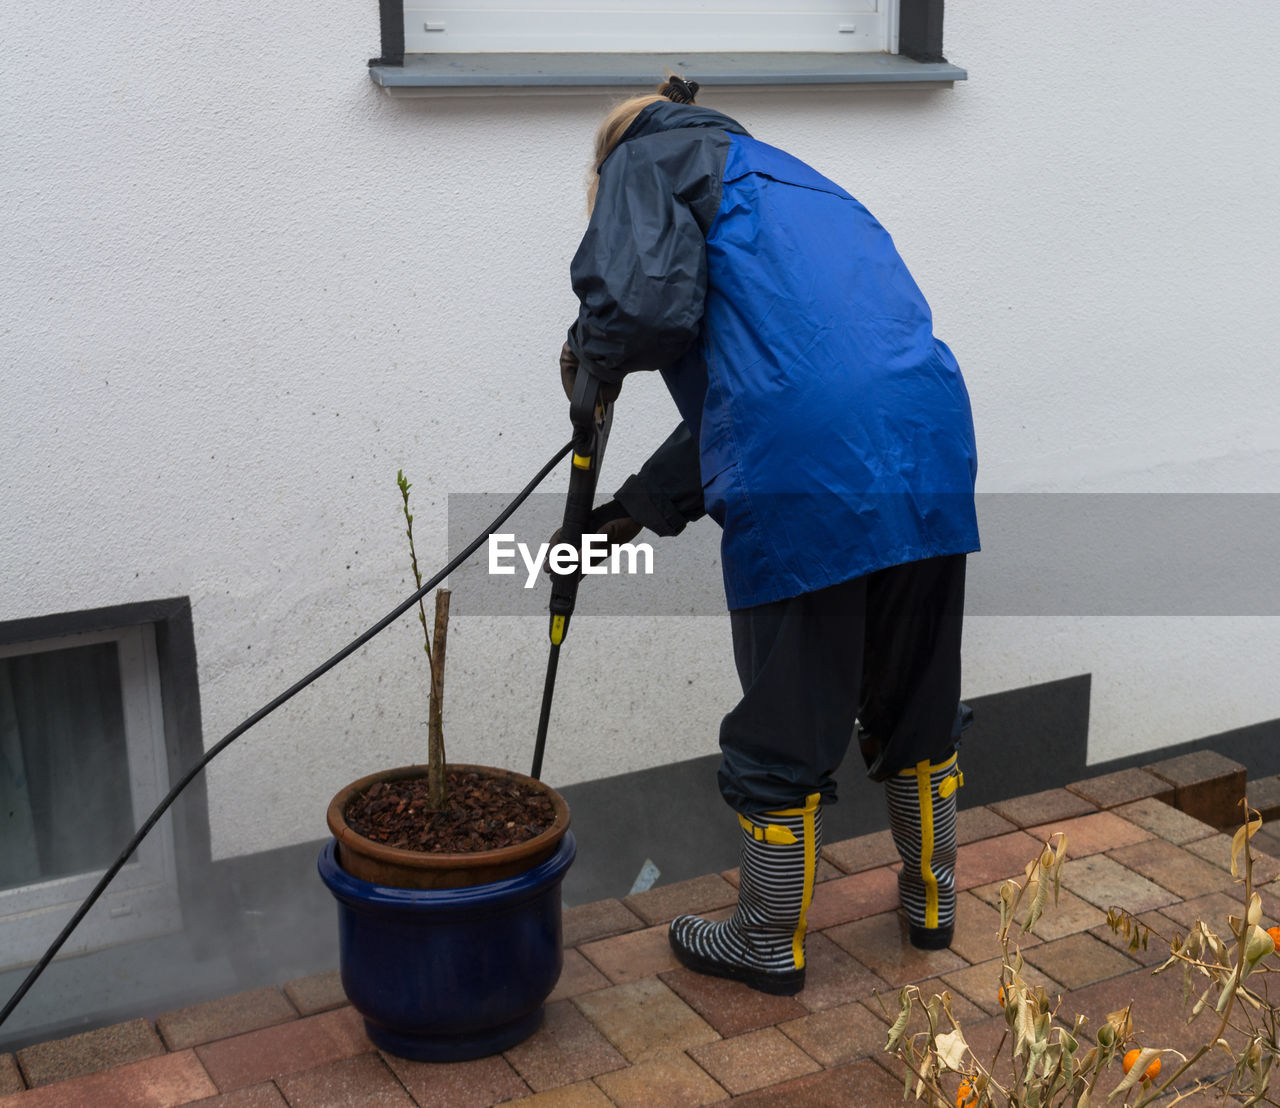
[(922, 817), (762, 943)]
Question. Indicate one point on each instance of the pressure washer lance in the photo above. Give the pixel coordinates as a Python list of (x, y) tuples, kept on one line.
[(591, 418)]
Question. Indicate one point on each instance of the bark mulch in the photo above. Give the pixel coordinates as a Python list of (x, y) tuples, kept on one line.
[(481, 813)]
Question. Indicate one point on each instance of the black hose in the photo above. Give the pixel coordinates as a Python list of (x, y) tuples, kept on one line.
[(262, 714)]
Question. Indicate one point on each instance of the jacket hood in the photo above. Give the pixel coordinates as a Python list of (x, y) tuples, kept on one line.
[(665, 115)]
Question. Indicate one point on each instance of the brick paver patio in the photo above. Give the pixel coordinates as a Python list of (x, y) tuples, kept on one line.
[(628, 1026)]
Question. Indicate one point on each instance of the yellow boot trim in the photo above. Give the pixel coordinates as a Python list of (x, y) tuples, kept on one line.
[(769, 833), (950, 783), (924, 794), (810, 870), (923, 773), (810, 867), (810, 805), (934, 767)]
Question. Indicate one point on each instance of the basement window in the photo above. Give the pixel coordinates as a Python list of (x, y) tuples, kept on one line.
[(82, 762), (480, 46)]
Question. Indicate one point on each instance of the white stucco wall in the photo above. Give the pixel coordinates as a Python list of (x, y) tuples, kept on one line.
[(242, 287)]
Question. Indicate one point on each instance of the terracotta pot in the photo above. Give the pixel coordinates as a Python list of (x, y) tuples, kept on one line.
[(413, 869)]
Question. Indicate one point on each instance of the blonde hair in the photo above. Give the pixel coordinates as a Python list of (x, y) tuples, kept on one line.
[(675, 89), (610, 131)]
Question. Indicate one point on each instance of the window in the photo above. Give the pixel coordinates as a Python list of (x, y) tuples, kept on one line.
[(475, 46), (82, 762), (574, 26)]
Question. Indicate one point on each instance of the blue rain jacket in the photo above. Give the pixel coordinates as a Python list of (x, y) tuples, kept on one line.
[(823, 426)]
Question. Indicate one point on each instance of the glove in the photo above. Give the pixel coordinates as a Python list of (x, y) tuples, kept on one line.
[(611, 521), (569, 373), (618, 530)]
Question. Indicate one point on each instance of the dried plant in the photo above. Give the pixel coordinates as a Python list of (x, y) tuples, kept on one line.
[(1048, 1061)]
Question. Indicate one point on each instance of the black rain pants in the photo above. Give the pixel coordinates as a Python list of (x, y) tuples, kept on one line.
[(880, 651)]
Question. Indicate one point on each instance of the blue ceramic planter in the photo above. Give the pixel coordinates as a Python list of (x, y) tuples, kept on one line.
[(444, 975)]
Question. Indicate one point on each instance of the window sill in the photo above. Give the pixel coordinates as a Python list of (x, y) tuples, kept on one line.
[(566, 74)]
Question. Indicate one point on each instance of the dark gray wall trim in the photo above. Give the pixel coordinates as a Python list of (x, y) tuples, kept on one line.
[(391, 19), (1256, 747), (920, 30)]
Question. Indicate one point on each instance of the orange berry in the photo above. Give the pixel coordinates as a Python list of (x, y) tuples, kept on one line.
[(1000, 996), (965, 1094), (1274, 932), (1153, 1070)]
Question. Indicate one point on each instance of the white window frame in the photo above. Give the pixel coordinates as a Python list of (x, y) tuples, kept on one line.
[(631, 26), (142, 900)]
